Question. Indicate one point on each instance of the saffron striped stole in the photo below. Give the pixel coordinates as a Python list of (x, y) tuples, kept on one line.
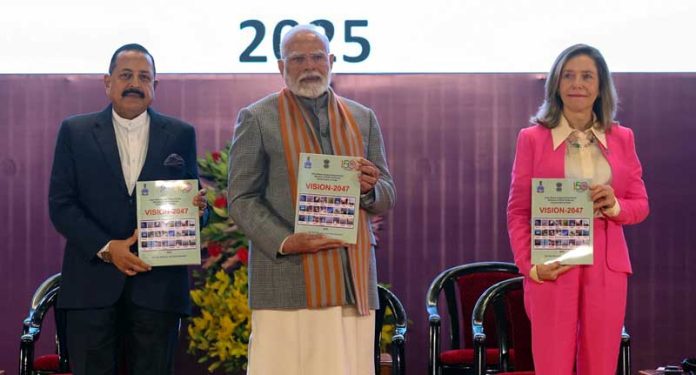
[(323, 272)]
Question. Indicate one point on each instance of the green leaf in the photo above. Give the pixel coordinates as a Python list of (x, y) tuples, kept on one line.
[(222, 212)]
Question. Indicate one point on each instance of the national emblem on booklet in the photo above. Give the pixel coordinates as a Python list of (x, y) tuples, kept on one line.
[(328, 196), (169, 229), (562, 221)]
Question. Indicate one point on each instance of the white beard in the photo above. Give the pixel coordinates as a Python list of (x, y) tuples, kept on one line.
[(308, 89)]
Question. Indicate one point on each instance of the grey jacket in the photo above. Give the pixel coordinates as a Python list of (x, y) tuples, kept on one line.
[(260, 202)]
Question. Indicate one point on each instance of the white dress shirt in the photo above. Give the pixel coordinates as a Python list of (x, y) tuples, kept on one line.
[(583, 157), (131, 138)]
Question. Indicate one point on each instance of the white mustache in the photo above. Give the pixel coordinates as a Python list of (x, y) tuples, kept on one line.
[(310, 75)]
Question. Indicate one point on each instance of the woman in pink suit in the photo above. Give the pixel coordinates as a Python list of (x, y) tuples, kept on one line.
[(577, 312)]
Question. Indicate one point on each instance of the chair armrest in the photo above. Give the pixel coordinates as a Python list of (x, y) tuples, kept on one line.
[(479, 344), (31, 335), (433, 314), (624, 367), (434, 342), (398, 353), (26, 350), (625, 338)]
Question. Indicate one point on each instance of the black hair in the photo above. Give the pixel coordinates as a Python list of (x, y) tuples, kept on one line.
[(131, 47)]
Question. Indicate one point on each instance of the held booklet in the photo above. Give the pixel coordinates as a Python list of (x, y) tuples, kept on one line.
[(562, 221), (168, 223), (328, 196)]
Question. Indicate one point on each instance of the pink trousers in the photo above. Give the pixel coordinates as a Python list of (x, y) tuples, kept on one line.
[(577, 319)]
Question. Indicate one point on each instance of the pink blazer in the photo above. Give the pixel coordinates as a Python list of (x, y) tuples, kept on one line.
[(536, 158)]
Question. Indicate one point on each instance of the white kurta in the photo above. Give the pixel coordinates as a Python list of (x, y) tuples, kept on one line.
[(334, 340)]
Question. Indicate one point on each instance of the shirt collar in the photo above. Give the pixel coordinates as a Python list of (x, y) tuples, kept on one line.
[(139, 121), (315, 104), (561, 132)]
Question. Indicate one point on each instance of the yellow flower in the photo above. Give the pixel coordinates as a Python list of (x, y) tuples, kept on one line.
[(220, 332)]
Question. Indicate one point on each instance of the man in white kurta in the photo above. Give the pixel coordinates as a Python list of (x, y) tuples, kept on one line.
[(312, 297)]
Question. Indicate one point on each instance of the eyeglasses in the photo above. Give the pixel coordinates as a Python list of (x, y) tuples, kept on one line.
[(299, 59)]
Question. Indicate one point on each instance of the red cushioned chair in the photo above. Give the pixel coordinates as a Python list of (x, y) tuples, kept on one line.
[(514, 331), (387, 300), (57, 363), (462, 286), (44, 298)]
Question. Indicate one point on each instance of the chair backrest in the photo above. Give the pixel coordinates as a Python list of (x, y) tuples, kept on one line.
[(466, 282), (42, 301), (506, 300), (388, 300), (49, 285)]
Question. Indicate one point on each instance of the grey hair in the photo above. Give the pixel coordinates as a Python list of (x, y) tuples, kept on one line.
[(303, 29), (604, 107)]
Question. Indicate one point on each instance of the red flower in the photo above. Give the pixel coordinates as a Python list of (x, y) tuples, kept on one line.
[(214, 249), (243, 255), (216, 156), (220, 201)]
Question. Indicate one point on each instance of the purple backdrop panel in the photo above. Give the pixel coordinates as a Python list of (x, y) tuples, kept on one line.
[(450, 142)]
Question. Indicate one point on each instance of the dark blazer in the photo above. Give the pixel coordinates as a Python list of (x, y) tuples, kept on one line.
[(89, 205)]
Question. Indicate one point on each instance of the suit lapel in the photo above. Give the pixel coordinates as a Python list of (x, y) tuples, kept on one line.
[(157, 141), (551, 162), (106, 138), (614, 165), (559, 160)]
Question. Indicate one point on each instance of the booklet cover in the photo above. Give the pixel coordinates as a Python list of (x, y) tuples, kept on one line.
[(562, 221), (168, 223), (328, 196)]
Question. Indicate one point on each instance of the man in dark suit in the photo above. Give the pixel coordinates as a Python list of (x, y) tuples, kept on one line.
[(110, 298)]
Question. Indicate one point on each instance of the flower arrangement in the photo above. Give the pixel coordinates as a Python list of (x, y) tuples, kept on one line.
[(388, 329), (219, 329), (221, 333)]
